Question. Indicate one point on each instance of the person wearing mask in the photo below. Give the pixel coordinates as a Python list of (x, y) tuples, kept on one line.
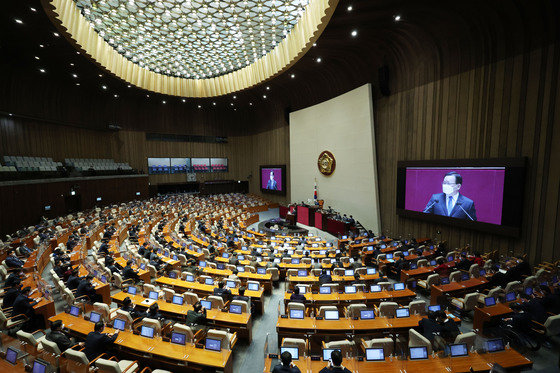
[(98, 342), (335, 364), (429, 327), (286, 365), (59, 337), (196, 317)]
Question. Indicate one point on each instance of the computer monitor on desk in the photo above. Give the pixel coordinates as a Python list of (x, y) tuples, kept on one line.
[(375, 354), (213, 344), (206, 304), (458, 350), (327, 353), (367, 314), (11, 356), (178, 338), (331, 315), (418, 353), (119, 324), (325, 290), (296, 314)]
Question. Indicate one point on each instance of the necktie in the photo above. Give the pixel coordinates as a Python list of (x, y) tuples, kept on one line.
[(449, 205)]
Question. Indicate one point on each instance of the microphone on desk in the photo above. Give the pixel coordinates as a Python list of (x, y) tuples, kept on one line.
[(465, 211), (429, 207)]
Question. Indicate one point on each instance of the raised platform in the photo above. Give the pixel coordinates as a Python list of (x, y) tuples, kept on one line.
[(280, 226)]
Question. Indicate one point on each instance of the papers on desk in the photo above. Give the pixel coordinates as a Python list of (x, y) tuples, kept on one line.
[(147, 302)]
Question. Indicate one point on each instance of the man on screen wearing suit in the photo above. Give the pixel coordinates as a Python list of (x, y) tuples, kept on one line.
[(451, 203), (271, 182)]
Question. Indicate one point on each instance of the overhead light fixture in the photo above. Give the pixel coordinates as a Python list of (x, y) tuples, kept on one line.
[(32, 9), (199, 106), (231, 103), (37, 58), (101, 75), (234, 97), (184, 100), (104, 86), (250, 104), (41, 46), (163, 102), (10, 114), (354, 33), (56, 34), (74, 75), (128, 86), (397, 18), (267, 88), (116, 96), (319, 59), (148, 96), (77, 83), (71, 64), (213, 103), (42, 70), (18, 21), (350, 7), (293, 76), (264, 96), (314, 44)]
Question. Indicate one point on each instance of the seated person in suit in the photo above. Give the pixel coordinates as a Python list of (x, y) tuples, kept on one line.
[(97, 342), (449, 328), (103, 249), (85, 288), (324, 278), (243, 297), (11, 295), (464, 264), (296, 296), (451, 203), (57, 336), (110, 264), (14, 278), (129, 273), (335, 364), (24, 250), (286, 365), (73, 280), (222, 292), (429, 327), (23, 305), (196, 318), (129, 307), (12, 261)]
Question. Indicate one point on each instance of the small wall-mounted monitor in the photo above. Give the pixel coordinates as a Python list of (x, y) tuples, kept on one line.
[(98, 199)]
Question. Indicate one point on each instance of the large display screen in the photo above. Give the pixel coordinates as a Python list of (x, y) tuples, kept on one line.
[(159, 165), (273, 179), (481, 194)]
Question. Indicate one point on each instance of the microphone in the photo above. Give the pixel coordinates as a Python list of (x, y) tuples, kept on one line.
[(429, 207), (465, 211)]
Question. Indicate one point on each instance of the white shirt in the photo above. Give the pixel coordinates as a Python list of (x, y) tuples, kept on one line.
[(454, 201)]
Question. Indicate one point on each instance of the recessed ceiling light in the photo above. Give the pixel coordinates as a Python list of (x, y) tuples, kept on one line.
[(41, 45), (250, 104), (71, 64), (314, 44), (397, 18), (350, 7), (75, 75), (56, 34), (235, 109), (10, 114), (267, 88), (77, 83), (18, 21), (231, 104), (354, 33), (128, 86), (264, 96), (199, 106), (319, 59), (42, 70), (184, 100), (293, 76), (104, 86), (32, 9), (116, 96), (101, 75), (234, 97), (163, 102), (213, 103), (37, 58), (147, 95), (77, 52)]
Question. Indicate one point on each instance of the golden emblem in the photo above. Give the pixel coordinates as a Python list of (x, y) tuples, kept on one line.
[(326, 163)]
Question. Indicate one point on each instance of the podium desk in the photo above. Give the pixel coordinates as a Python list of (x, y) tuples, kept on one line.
[(240, 323), (154, 351), (337, 227), (321, 220), (306, 215)]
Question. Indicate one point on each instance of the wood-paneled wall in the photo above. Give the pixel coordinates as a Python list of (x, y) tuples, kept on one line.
[(503, 109)]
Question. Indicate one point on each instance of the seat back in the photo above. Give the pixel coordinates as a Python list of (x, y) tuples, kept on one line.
[(126, 317), (422, 263), (470, 301), (353, 310), (190, 298), (300, 344), (76, 361), (388, 309), (322, 310), (552, 325), (455, 276), (417, 307), (217, 301), (468, 338), (152, 323), (385, 285), (386, 343), (474, 270), (432, 280), (513, 286), (346, 347), (295, 306), (274, 272), (416, 339), (338, 272), (107, 366), (147, 288), (168, 294), (186, 330), (244, 305), (224, 336), (104, 310)]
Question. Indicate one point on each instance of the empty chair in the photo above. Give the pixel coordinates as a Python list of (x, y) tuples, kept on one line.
[(455, 276), (513, 286), (353, 310), (295, 306), (51, 353), (168, 294), (334, 287), (386, 343), (228, 339), (258, 285), (552, 325), (6, 323), (385, 285), (124, 315), (416, 339), (300, 344), (338, 271), (417, 307), (466, 304), (77, 361), (431, 280), (292, 272), (114, 366), (322, 310), (474, 270), (250, 269), (422, 263), (388, 309), (217, 301), (274, 272), (29, 344), (530, 281), (346, 347), (147, 288), (468, 338)]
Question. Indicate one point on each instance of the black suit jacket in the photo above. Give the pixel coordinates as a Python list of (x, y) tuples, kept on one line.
[(97, 343), (128, 272), (61, 340), (23, 306), (282, 369), (462, 207)]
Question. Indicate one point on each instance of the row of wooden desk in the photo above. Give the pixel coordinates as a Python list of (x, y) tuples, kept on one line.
[(475, 362), (241, 323), (337, 299), (160, 353)]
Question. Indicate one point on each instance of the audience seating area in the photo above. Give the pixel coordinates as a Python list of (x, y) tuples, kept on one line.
[(86, 164)]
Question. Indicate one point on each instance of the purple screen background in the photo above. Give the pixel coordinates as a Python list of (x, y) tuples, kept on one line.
[(484, 186), (265, 175)]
